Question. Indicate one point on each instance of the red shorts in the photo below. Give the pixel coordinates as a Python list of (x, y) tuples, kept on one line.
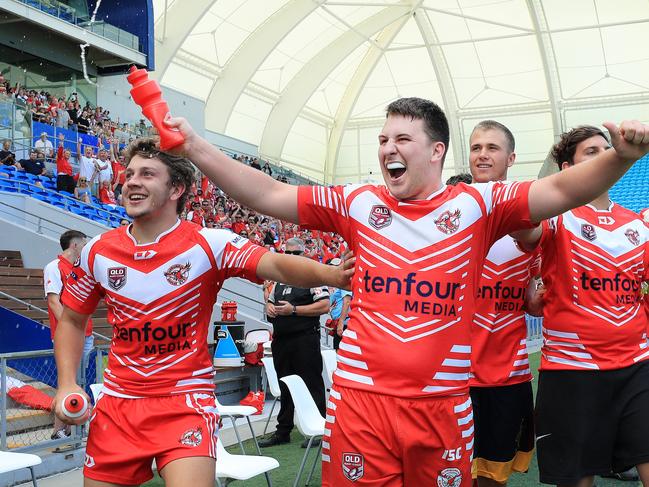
[(126, 435), (387, 441)]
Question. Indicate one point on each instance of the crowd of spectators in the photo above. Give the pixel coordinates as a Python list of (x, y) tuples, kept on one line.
[(101, 172), (68, 112), (209, 207)]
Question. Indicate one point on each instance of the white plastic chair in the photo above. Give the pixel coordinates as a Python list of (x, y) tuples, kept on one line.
[(258, 336), (273, 385), (308, 419), (241, 467), (330, 362), (268, 350), (10, 461)]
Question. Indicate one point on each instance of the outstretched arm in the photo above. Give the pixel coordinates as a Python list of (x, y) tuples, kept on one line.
[(582, 183), (303, 272), (250, 187)]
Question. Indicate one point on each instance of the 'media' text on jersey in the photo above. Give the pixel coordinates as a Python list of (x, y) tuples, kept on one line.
[(420, 295), (157, 339)]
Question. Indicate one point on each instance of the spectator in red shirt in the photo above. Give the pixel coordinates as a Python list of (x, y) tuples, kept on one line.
[(64, 179), (106, 195), (238, 226)]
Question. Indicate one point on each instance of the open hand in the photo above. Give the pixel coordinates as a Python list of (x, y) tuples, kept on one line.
[(345, 271)]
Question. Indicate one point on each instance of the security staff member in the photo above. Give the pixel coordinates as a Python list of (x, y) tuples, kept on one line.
[(295, 315)]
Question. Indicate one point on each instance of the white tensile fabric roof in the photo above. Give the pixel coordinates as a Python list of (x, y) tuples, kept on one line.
[(307, 81)]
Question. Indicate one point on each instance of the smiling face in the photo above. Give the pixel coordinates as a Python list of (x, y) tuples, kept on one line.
[(490, 155), (147, 192), (411, 163)]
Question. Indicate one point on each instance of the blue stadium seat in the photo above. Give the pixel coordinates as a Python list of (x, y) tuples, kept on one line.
[(9, 186), (9, 168)]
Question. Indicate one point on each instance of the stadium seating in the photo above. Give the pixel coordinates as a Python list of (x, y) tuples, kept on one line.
[(631, 191), (14, 181)]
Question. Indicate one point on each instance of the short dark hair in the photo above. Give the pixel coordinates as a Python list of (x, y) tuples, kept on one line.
[(67, 237), (459, 178), (564, 150), (435, 122), (493, 125), (181, 170)]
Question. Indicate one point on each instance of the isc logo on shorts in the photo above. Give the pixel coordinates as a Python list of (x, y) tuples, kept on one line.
[(353, 466), (89, 461)]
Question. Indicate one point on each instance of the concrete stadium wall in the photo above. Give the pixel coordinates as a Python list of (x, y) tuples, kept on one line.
[(232, 144)]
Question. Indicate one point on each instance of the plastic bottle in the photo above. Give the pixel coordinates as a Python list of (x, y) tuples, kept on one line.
[(147, 93), (74, 405)]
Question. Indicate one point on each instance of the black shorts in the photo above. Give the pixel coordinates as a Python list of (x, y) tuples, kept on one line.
[(591, 422), (504, 430)]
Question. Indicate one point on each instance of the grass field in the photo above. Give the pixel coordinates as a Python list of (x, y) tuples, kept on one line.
[(290, 456)]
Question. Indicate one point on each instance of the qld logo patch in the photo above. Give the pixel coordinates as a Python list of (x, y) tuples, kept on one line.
[(178, 274), (633, 236), (380, 216), (449, 221), (192, 437), (353, 466), (449, 477), (588, 231), (116, 277)]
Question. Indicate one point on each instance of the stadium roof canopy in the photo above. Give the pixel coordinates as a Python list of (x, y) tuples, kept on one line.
[(307, 81)]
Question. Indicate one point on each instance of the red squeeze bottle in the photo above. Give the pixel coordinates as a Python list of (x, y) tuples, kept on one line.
[(147, 93), (74, 405)]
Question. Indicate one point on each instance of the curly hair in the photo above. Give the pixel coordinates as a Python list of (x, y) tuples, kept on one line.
[(564, 149), (181, 170)]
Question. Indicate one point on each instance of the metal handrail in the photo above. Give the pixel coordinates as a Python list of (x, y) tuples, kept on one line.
[(24, 303)]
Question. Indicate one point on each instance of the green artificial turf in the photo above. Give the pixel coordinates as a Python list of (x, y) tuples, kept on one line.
[(290, 456)]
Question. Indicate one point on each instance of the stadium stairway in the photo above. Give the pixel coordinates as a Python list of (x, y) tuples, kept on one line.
[(27, 286)]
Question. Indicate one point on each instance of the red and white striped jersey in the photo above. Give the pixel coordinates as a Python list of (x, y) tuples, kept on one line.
[(160, 298), (499, 334), (417, 269), (593, 263)]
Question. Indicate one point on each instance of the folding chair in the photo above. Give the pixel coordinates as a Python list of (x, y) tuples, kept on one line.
[(307, 419), (273, 385), (241, 467), (10, 461), (330, 362)]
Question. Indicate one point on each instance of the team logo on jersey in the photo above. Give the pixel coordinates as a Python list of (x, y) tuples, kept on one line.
[(449, 221), (449, 477), (380, 216), (633, 236), (116, 277), (588, 231), (353, 466), (177, 274), (192, 437)]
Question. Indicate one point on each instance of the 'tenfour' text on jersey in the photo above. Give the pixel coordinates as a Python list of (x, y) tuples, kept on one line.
[(417, 269), (159, 298)]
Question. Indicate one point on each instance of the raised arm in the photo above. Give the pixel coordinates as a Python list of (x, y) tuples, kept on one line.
[(250, 187), (582, 183)]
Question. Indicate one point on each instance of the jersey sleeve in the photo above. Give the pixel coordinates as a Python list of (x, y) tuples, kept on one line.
[(52, 278), (235, 256), (82, 292), (507, 206), (324, 208)]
